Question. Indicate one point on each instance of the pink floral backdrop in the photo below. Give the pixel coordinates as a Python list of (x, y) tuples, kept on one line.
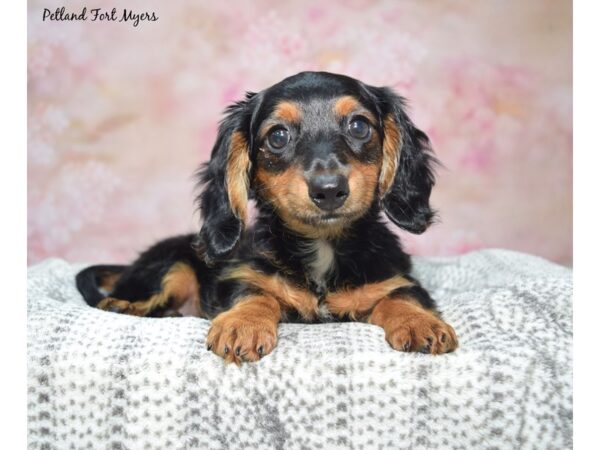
[(121, 116)]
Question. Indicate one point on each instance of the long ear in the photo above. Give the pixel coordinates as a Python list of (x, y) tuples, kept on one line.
[(224, 200), (407, 173)]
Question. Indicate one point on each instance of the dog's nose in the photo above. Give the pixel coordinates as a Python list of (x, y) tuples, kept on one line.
[(328, 192)]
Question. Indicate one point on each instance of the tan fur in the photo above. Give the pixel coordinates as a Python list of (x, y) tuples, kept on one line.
[(288, 112), (247, 331), (288, 295), (358, 301), (362, 181), (108, 280), (410, 327), (288, 193), (286, 190), (392, 143), (179, 287), (327, 231), (345, 105), (238, 168)]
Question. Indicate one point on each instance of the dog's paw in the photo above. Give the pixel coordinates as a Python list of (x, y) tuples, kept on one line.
[(237, 337), (118, 306), (422, 332)]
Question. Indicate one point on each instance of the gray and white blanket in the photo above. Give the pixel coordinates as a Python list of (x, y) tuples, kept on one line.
[(103, 380)]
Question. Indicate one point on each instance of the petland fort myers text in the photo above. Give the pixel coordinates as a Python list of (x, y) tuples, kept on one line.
[(99, 15)]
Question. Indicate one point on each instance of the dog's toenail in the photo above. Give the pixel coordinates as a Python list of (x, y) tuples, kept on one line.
[(443, 338), (238, 350), (260, 350), (226, 349), (209, 347)]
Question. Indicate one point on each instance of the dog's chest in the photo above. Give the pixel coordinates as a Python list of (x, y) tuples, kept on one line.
[(321, 261), (320, 264)]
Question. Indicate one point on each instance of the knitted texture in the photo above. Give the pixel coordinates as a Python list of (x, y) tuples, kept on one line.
[(104, 380)]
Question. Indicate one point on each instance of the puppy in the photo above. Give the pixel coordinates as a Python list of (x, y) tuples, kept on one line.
[(323, 156)]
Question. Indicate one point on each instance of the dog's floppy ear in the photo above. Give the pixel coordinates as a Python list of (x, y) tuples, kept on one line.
[(224, 199), (406, 176)]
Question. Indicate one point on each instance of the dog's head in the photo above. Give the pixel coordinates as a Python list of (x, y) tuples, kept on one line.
[(321, 150)]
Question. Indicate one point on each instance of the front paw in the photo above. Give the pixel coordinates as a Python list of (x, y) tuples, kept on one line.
[(422, 332), (238, 337)]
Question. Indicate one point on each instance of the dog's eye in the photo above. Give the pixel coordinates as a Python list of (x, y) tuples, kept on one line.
[(279, 138), (359, 129)]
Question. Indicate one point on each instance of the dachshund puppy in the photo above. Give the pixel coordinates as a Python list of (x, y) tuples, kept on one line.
[(322, 156)]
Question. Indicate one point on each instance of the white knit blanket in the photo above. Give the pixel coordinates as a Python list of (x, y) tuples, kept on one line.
[(104, 380)]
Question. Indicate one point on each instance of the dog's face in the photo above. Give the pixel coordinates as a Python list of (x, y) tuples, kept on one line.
[(318, 159), (322, 150)]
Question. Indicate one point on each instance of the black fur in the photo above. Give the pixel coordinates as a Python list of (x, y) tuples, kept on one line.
[(89, 280), (221, 230), (367, 251), (407, 203)]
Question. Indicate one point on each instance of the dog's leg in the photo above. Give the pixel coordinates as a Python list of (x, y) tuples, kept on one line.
[(358, 302), (178, 286), (246, 332), (409, 327), (403, 309)]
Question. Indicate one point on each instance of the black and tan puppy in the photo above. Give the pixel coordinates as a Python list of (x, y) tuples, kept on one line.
[(323, 156)]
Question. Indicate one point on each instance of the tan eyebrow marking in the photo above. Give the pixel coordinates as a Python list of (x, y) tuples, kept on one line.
[(288, 111), (285, 111), (345, 105)]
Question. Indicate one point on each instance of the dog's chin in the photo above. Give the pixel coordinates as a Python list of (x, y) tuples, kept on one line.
[(332, 219), (316, 224)]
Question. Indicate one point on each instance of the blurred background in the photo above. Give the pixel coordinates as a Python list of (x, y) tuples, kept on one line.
[(120, 117)]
